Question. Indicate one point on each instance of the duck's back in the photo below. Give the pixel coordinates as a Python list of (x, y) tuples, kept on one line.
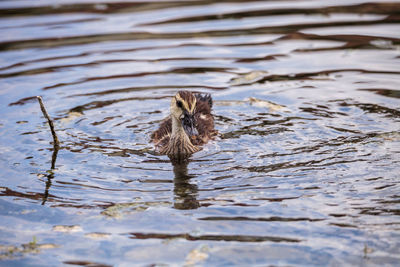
[(204, 119)]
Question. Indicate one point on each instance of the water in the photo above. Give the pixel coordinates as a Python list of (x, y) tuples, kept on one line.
[(305, 169)]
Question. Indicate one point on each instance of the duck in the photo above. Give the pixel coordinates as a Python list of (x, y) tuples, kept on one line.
[(189, 126)]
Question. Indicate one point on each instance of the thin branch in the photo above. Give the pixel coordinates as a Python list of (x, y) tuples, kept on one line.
[(56, 143), (56, 146)]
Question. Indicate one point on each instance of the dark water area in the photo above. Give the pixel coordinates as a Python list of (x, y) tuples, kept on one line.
[(305, 168)]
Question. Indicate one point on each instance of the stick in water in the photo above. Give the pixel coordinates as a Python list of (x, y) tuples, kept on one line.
[(46, 115)]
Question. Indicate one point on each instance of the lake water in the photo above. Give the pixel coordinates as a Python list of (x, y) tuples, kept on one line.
[(304, 171)]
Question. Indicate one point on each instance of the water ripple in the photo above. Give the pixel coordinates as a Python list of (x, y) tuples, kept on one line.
[(303, 171)]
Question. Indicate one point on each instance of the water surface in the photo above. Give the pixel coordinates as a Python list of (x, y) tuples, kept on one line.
[(304, 171)]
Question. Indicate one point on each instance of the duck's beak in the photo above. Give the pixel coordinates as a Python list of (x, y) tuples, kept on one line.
[(189, 124)]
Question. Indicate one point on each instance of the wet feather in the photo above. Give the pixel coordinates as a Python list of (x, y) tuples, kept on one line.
[(178, 144)]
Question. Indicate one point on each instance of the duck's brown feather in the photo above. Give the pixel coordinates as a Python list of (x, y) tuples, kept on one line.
[(161, 137), (204, 122)]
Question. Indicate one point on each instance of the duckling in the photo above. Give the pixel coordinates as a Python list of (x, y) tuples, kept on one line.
[(189, 126)]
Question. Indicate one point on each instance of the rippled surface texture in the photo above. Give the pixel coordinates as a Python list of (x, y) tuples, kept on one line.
[(305, 169)]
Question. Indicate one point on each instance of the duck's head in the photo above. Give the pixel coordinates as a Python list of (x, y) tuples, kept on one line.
[(183, 106)]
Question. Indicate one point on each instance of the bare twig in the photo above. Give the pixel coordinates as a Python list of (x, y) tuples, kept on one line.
[(56, 143), (56, 147)]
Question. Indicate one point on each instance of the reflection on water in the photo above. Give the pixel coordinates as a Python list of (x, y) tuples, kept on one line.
[(185, 193), (303, 172)]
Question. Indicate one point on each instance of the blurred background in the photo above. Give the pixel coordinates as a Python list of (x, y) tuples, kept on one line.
[(304, 171)]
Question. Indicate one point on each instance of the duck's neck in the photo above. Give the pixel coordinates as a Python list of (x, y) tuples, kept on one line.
[(180, 145), (177, 129)]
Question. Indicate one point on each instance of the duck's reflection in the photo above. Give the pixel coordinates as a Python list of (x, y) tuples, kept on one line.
[(185, 193)]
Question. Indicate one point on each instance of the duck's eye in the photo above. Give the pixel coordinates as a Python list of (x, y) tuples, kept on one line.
[(179, 104)]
